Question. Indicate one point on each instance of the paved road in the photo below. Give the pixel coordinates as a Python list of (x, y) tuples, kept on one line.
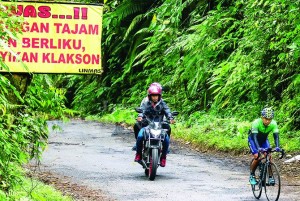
[(100, 156)]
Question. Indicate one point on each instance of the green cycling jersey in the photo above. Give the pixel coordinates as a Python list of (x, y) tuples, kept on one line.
[(261, 131)]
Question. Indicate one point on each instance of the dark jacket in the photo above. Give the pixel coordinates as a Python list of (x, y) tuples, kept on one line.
[(151, 110)]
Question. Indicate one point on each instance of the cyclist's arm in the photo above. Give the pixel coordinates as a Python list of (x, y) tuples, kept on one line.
[(276, 139), (276, 133), (255, 140), (254, 131)]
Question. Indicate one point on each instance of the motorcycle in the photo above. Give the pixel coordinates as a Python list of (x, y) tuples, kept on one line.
[(154, 136)]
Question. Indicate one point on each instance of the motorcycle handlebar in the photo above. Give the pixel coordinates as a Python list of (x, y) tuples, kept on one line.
[(139, 110)]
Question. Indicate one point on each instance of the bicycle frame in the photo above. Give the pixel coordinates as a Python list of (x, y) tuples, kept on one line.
[(266, 160), (267, 168)]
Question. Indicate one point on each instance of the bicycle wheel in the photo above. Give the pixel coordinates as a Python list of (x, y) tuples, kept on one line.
[(273, 184), (257, 188)]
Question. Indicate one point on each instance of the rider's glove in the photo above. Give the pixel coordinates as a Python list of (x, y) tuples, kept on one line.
[(262, 150), (277, 149)]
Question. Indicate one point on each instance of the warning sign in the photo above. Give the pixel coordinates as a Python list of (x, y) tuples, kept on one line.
[(56, 38)]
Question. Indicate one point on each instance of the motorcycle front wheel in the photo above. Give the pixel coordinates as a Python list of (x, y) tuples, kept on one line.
[(153, 164)]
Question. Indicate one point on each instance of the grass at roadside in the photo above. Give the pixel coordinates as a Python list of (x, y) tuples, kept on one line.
[(33, 190), (207, 131)]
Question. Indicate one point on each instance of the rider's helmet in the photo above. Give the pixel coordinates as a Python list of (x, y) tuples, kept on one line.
[(156, 84), (154, 90), (267, 113)]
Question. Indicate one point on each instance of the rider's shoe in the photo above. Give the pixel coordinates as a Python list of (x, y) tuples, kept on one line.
[(271, 181), (134, 148), (163, 160), (252, 179), (138, 157)]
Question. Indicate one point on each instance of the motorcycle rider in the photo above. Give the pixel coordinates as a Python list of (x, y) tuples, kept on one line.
[(154, 106), (258, 138), (139, 124)]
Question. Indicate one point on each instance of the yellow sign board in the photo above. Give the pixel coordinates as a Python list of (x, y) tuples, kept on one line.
[(56, 38)]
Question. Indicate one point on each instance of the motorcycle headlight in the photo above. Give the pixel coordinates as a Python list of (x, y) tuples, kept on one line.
[(155, 133)]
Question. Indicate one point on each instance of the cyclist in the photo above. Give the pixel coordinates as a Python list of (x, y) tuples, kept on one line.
[(154, 106), (258, 138)]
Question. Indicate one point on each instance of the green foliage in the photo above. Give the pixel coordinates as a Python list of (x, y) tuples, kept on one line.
[(290, 107), (32, 190), (118, 115), (46, 99), (224, 58), (291, 141), (23, 128), (210, 132)]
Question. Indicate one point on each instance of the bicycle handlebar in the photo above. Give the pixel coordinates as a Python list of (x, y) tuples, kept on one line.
[(270, 150)]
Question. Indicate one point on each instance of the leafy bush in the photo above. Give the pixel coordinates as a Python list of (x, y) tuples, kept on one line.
[(23, 127), (118, 115)]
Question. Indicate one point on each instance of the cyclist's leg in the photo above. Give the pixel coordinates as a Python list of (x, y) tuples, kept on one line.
[(254, 162), (254, 152)]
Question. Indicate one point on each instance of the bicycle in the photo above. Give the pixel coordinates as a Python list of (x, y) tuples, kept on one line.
[(267, 177)]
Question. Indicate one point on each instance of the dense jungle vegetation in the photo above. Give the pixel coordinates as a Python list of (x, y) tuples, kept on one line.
[(219, 61), (26, 102)]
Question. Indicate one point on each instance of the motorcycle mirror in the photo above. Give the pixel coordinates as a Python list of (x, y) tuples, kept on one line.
[(139, 110), (175, 113), (165, 88)]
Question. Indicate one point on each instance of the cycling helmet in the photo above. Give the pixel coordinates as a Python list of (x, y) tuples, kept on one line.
[(267, 113), (156, 84)]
